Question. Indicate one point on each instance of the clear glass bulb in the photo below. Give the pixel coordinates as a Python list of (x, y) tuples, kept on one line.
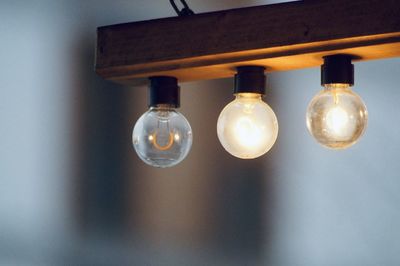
[(337, 117), (162, 137), (247, 127)]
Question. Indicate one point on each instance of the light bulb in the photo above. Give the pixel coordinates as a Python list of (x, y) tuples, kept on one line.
[(337, 117), (247, 127), (162, 137)]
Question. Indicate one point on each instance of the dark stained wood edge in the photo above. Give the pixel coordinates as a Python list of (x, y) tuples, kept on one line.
[(280, 37)]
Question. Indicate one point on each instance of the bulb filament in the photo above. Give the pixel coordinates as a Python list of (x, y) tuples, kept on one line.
[(335, 97), (337, 118), (153, 139)]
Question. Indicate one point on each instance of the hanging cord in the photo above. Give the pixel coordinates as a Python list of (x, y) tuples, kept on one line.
[(185, 11)]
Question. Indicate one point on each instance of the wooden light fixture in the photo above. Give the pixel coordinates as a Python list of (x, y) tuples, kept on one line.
[(280, 37)]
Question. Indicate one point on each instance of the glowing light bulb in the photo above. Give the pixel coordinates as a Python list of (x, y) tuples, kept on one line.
[(162, 137), (337, 117), (247, 127)]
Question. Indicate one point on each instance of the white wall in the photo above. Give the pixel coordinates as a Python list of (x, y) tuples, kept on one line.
[(70, 184)]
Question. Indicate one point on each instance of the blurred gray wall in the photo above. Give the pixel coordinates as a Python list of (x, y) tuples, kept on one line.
[(73, 192)]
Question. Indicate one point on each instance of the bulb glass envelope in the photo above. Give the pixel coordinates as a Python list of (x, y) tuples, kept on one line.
[(247, 127), (162, 137), (337, 117)]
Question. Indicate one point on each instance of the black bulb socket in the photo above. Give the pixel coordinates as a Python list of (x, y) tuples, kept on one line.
[(250, 79), (337, 69), (164, 90)]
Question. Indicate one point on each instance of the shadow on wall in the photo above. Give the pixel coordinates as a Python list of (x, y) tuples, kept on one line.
[(211, 206)]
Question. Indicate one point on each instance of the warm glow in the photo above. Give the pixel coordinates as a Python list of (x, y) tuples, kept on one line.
[(247, 127), (337, 119), (247, 133), (177, 137)]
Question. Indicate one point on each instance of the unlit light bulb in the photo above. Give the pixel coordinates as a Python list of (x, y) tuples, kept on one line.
[(247, 127), (337, 117), (162, 137)]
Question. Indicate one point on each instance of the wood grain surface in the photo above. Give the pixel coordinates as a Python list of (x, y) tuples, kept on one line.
[(280, 37)]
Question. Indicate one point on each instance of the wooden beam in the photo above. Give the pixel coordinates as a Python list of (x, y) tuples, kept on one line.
[(280, 37)]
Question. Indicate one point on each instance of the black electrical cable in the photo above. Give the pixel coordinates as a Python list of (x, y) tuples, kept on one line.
[(185, 11)]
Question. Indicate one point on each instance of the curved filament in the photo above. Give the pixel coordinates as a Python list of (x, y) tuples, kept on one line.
[(163, 147)]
